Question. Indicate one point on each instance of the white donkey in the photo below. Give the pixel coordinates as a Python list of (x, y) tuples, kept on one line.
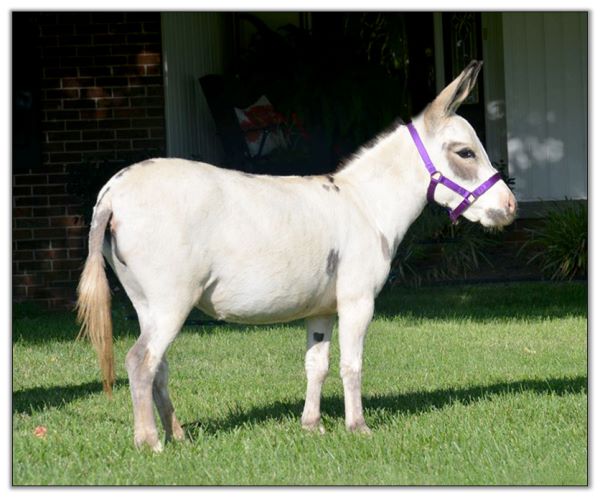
[(262, 249)]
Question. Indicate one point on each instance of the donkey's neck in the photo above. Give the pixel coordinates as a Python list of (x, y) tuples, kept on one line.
[(390, 182)]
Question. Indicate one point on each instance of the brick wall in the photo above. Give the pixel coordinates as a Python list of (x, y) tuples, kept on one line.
[(102, 107)]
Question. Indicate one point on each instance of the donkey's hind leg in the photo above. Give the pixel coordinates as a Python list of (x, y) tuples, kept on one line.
[(163, 403), (143, 362), (317, 365)]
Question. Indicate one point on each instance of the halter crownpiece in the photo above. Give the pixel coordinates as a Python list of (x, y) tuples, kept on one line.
[(436, 178)]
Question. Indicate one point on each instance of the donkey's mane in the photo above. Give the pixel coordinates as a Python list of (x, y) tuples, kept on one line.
[(395, 124)]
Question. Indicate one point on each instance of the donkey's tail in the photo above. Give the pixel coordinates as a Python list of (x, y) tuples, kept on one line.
[(93, 297)]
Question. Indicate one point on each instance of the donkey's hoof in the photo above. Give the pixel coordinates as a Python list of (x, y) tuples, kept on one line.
[(152, 442), (314, 427), (360, 428), (178, 435)]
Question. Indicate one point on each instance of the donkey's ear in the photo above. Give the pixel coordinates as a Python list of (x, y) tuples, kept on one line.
[(454, 94)]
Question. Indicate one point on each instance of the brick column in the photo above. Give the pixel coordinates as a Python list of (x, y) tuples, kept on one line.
[(102, 107)]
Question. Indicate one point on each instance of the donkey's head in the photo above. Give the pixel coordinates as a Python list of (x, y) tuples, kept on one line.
[(457, 153)]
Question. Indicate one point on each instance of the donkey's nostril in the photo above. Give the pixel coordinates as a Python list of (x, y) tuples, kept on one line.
[(511, 205)]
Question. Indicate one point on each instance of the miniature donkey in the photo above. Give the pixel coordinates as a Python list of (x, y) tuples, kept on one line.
[(262, 249)]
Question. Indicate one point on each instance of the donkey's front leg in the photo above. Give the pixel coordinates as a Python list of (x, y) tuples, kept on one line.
[(318, 338), (354, 318)]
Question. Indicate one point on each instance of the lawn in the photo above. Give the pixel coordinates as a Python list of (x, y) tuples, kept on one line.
[(462, 385)]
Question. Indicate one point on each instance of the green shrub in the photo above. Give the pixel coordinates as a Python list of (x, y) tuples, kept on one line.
[(559, 245), (434, 249)]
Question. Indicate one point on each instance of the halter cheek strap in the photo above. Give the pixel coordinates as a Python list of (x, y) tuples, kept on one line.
[(437, 178)]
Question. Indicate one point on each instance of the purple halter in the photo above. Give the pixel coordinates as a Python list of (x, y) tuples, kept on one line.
[(437, 177)]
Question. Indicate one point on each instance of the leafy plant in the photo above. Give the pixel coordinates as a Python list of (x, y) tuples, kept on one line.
[(560, 244), (433, 249)]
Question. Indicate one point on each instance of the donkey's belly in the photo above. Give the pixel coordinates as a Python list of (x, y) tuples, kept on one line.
[(262, 302)]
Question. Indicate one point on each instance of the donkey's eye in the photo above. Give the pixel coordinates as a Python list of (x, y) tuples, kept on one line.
[(466, 153)]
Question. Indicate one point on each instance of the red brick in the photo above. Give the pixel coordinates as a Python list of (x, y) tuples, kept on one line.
[(148, 59), (81, 146), (77, 254), (132, 133), (32, 222), (153, 70), (66, 264), (141, 38), (61, 115), (18, 291), (30, 201), (21, 234), (49, 233), (147, 123), (52, 254), (63, 200), (98, 114), (94, 50), (62, 93), (64, 136), (101, 134), (53, 147), (35, 265), (76, 242), (49, 190), (147, 102), (57, 178), (76, 61), (116, 123), (82, 124), (51, 105), (48, 211), (77, 82), (21, 191), (79, 104), (78, 39), (65, 157), (144, 144), (22, 212), (22, 255), (129, 112), (76, 232), (52, 125), (113, 102), (65, 221), (60, 51), (94, 71), (112, 81), (30, 179)]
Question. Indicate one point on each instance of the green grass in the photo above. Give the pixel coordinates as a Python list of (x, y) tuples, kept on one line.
[(479, 385)]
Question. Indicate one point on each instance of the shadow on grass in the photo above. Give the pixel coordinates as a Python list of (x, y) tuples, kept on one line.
[(473, 302), (36, 399), (538, 300), (33, 400), (406, 403)]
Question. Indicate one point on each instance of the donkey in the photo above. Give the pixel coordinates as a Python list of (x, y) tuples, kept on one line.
[(262, 249)]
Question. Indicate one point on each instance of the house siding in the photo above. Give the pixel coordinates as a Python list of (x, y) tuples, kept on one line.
[(194, 45), (545, 61)]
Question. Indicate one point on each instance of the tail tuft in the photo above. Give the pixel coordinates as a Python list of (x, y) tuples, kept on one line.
[(93, 303)]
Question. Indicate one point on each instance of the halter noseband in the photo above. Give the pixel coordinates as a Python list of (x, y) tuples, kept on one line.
[(436, 177)]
